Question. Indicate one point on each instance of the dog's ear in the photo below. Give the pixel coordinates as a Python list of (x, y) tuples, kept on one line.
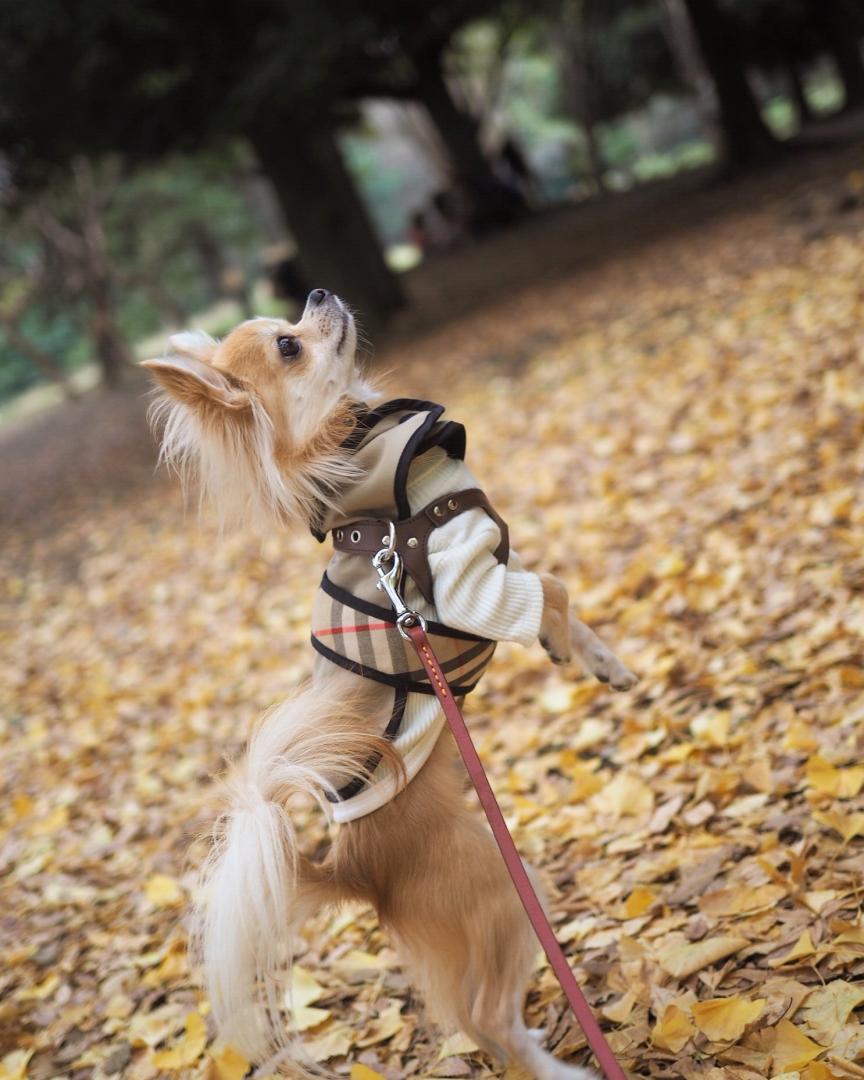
[(195, 344), (197, 384)]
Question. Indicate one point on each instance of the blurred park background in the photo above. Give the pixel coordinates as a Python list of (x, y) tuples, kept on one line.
[(623, 241)]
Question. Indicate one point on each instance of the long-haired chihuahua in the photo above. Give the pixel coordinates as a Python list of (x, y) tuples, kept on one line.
[(276, 427)]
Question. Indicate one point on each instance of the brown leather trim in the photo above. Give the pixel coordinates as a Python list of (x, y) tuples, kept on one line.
[(369, 535)]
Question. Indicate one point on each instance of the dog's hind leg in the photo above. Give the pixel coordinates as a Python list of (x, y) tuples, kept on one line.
[(441, 889)]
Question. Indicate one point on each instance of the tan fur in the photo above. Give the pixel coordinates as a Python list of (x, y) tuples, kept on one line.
[(264, 437)]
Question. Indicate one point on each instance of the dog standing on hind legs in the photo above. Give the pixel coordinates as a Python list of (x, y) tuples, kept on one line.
[(275, 426)]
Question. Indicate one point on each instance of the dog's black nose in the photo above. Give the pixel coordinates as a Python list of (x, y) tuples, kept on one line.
[(318, 296)]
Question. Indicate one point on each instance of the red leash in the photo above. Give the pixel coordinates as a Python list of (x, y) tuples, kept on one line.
[(542, 928)]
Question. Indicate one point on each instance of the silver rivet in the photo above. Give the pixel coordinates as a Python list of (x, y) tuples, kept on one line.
[(355, 536), (413, 541), (437, 511), (339, 535), (452, 504)]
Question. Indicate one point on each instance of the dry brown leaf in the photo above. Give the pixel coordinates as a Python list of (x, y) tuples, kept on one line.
[(681, 958), (828, 1008)]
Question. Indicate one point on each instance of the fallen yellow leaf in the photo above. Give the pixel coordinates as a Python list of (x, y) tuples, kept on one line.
[(847, 825), (724, 1019), (456, 1044), (681, 958), (818, 1070), (334, 1041), (803, 947), (163, 891), (227, 1064), (840, 783), (639, 901), (305, 988), (619, 1010), (359, 1071), (672, 1030), (828, 1008), (307, 1016), (188, 1050), (14, 1065), (625, 796), (712, 728), (790, 1047), (741, 900)]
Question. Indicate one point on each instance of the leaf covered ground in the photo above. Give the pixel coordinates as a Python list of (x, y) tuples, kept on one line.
[(678, 434)]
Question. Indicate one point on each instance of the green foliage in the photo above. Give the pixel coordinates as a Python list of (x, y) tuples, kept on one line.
[(161, 222)]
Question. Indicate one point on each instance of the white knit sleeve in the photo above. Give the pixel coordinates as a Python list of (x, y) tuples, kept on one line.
[(476, 593)]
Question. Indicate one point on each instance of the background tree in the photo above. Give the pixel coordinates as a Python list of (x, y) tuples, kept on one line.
[(153, 77), (746, 138)]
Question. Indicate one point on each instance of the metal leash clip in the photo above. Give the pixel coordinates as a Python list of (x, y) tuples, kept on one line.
[(388, 566)]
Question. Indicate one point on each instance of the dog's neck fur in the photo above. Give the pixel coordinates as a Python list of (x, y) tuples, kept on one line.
[(249, 473)]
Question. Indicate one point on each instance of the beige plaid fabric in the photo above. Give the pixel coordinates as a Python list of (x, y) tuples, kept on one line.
[(363, 638)]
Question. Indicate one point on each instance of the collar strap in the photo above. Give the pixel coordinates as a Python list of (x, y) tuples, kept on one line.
[(366, 536)]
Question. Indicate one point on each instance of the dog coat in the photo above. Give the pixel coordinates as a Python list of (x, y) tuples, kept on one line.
[(460, 576)]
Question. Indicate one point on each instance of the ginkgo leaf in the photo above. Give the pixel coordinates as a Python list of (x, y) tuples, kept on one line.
[(190, 1047), (829, 780), (724, 1019), (455, 1045), (639, 901), (163, 891), (619, 1010), (818, 1070), (682, 958), (741, 900), (673, 1030), (803, 947), (335, 1040), (14, 1065), (847, 825), (305, 1017), (828, 1007), (384, 1026), (626, 795), (227, 1064), (304, 988), (359, 1071), (790, 1047)]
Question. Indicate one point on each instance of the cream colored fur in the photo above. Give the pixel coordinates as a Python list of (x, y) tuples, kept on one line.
[(262, 437)]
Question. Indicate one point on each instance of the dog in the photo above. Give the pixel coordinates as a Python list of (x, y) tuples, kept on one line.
[(276, 425)]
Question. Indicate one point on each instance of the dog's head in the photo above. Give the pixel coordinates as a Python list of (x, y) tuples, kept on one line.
[(258, 419)]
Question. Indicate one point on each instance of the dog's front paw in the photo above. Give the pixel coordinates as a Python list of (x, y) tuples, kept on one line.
[(556, 652), (605, 666)]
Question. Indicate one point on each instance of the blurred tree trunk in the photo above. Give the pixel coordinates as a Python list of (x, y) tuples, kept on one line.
[(458, 131), (574, 51), (84, 266), (98, 284), (746, 138), (685, 49), (837, 22), (338, 247)]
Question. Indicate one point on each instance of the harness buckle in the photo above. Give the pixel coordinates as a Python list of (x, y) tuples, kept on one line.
[(388, 565)]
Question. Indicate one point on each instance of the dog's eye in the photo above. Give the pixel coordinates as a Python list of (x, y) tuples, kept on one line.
[(289, 347)]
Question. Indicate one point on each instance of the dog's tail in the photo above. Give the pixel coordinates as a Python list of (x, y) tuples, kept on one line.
[(249, 894)]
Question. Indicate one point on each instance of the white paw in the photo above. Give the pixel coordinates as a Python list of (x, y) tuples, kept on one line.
[(605, 666)]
